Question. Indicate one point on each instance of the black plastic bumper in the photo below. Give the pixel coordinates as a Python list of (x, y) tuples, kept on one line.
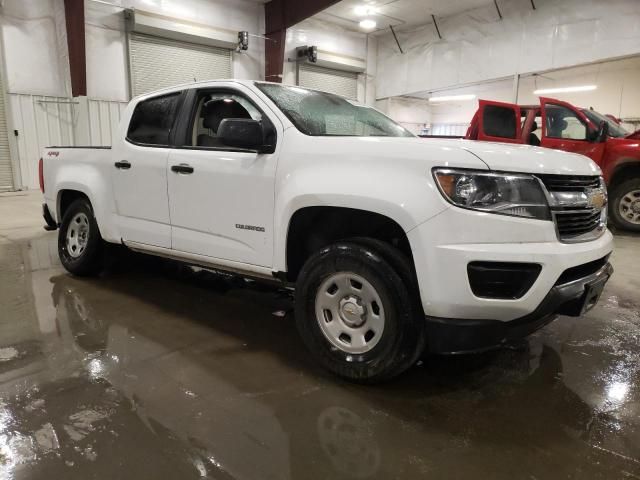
[(453, 335), (50, 222)]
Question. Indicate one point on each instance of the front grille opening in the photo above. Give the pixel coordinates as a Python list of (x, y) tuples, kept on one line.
[(581, 271), (502, 280), (575, 222), (569, 183)]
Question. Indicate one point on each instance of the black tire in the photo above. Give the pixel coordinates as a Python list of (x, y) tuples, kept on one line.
[(90, 260), (402, 339), (618, 193), (403, 266)]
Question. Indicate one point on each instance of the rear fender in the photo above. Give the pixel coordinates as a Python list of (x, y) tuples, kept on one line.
[(90, 181)]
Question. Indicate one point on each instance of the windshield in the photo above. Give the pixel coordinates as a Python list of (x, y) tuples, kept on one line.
[(615, 130), (325, 114)]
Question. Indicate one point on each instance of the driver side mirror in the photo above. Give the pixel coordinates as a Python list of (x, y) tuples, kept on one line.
[(600, 135), (242, 133)]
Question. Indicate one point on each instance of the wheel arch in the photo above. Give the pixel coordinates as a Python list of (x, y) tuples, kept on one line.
[(625, 170), (315, 226), (65, 198)]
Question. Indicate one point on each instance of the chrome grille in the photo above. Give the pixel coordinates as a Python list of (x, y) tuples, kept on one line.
[(576, 215), (575, 222), (569, 183)]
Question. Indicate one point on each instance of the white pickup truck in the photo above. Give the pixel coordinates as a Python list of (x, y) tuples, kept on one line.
[(395, 245)]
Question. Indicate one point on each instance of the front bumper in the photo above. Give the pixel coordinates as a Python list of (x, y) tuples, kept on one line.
[(444, 246), (454, 335)]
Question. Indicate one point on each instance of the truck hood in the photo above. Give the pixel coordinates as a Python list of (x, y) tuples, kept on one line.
[(634, 136), (525, 158)]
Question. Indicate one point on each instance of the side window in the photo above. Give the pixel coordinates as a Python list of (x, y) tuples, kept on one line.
[(564, 123), (153, 119), (211, 109), (499, 121)]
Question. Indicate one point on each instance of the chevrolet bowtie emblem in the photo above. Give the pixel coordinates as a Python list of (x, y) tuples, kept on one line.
[(596, 199)]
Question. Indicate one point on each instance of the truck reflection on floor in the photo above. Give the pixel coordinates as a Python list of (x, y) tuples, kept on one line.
[(232, 388)]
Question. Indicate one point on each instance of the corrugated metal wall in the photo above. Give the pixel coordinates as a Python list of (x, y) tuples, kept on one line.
[(6, 168), (161, 62), (40, 123), (328, 80), (104, 117), (44, 121)]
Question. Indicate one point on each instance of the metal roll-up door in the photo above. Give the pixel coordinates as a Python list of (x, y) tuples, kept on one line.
[(6, 172), (328, 80), (159, 62)]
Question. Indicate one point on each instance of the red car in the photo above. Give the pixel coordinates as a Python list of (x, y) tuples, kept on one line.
[(562, 126)]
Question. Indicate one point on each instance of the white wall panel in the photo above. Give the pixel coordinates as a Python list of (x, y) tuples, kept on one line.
[(35, 45), (451, 129), (478, 46)]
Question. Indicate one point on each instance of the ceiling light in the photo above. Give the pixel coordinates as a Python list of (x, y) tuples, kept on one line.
[(582, 88), (364, 10), (368, 24), (452, 98)]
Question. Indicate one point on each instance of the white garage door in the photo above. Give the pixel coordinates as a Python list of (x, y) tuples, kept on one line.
[(6, 172), (159, 62), (328, 80)]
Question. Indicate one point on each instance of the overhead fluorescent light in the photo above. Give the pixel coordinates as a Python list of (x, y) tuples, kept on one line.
[(364, 10), (581, 88), (452, 98), (368, 24)]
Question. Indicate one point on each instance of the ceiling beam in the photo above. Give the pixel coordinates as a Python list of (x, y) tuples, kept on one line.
[(74, 18), (280, 15)]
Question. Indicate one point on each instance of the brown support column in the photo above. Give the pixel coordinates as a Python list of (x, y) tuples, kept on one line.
[(280, 15), (274, 56), (74, 16)]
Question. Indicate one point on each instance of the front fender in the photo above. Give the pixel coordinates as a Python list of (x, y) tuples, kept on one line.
[(406, 199)]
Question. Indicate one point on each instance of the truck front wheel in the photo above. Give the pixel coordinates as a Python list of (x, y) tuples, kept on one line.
[(356, 314), (625, 205), (79, 241)]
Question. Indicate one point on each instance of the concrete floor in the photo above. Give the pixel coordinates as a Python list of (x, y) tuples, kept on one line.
[(156, 371)]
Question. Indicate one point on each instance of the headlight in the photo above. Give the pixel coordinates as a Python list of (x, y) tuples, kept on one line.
[(505, 193)]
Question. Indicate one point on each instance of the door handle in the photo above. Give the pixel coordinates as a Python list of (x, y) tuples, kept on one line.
[(182, 168), (123, 165)]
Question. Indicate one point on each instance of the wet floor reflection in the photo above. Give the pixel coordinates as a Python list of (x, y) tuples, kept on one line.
[(159, 371)]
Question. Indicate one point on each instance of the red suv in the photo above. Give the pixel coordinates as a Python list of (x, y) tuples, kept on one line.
[(562, 126)]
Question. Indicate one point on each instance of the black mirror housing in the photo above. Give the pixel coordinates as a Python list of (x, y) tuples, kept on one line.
[(603, 132), (241, 133)]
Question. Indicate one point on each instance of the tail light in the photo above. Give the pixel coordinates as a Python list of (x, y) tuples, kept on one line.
[(41, 175)]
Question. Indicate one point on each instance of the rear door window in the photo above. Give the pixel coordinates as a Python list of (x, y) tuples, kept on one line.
[(153, 119)]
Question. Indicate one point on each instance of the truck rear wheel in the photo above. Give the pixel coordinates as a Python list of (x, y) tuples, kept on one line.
[(625, 205), (79, 241), (356, 314)]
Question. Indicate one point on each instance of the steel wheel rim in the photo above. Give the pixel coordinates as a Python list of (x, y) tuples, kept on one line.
[(77, 235), (629, 207), (349, 312)]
